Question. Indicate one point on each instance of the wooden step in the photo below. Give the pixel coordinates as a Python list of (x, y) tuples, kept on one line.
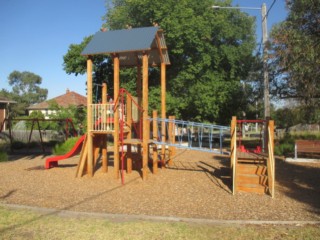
[(251, 169), (255, 188), (252, 179)]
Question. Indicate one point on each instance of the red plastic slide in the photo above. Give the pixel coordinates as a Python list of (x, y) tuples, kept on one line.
[(53, 161)]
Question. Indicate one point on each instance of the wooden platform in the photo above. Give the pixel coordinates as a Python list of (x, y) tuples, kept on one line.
[(135, 141)]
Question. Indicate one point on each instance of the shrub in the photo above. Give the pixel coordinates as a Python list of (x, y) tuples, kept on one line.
[(63, 148), (284, 149), (285, 146), (3, 156), (18, 145)]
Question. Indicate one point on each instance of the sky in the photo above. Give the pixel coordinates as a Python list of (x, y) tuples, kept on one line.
[(36, 34)]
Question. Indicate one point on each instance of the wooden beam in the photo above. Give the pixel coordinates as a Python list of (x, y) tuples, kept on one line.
[(104, 137), (139, 94), (155, 138), (89, 117), (145, 135), (129, 135), (163, 111), (116, 84)]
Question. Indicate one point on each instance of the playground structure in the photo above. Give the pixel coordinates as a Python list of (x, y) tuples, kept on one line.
[(142, 48), (35, 122), (252, 171), (137, 138)]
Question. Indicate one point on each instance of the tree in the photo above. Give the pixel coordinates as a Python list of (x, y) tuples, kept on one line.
[(210, 52), (26, 91), (295, 56), (75, 63)]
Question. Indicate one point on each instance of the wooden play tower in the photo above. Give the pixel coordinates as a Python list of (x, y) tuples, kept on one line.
[(142, 48)]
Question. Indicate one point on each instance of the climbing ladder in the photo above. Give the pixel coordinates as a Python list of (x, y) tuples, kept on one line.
[(251, 171)]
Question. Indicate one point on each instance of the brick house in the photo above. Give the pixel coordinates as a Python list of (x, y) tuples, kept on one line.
[(70, 98), (4, 112)]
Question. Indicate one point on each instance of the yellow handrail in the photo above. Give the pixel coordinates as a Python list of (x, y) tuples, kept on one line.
[(271, 164)]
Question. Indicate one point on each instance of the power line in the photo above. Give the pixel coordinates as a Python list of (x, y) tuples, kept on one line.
[(274, 1)]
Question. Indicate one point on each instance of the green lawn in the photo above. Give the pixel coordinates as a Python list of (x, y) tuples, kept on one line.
[(24, 224)]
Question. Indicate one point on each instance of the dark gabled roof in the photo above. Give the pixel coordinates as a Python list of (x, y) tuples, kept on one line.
[(129, 44), (69, 99)]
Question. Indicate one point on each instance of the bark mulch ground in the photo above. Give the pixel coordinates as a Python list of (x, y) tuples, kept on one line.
[(197, 185)]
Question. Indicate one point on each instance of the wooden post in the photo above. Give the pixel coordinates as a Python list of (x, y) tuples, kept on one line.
[(116, 84), (96, 148), (170, 137), (173, 149), (139, 98), (271, 126), (163, 112), (145, 134), (233, 157), (104, 138), (155, 138), (271, 179), (129, 136), (89, 117), (232, 134)]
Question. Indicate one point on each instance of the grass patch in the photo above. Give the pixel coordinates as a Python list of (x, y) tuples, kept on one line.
[(3, 156), (23, 224), (63, 148)]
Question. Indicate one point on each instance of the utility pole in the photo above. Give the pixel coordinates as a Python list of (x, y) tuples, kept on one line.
[(265, 62)]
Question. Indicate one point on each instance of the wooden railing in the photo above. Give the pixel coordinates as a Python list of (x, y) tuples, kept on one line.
[(271, 160), (103, 117)]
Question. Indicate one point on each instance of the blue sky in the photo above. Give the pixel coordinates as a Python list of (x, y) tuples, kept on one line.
[(35, 34)]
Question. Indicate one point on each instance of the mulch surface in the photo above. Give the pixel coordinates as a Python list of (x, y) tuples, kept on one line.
[(197, 185)]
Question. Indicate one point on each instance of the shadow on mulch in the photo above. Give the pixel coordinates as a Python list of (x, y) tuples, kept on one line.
[(8, 194), (28, 156), (301, 182), (220, 176)]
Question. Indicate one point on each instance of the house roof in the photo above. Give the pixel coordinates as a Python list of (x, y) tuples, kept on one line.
[(70, 98), (129, 44), (5, 100)]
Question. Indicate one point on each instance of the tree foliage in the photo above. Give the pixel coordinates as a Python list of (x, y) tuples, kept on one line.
[(296, 55), (26, 91), (75, 63), (210, 52)]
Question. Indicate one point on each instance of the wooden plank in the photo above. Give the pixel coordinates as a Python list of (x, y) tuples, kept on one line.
[(83, 158)]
